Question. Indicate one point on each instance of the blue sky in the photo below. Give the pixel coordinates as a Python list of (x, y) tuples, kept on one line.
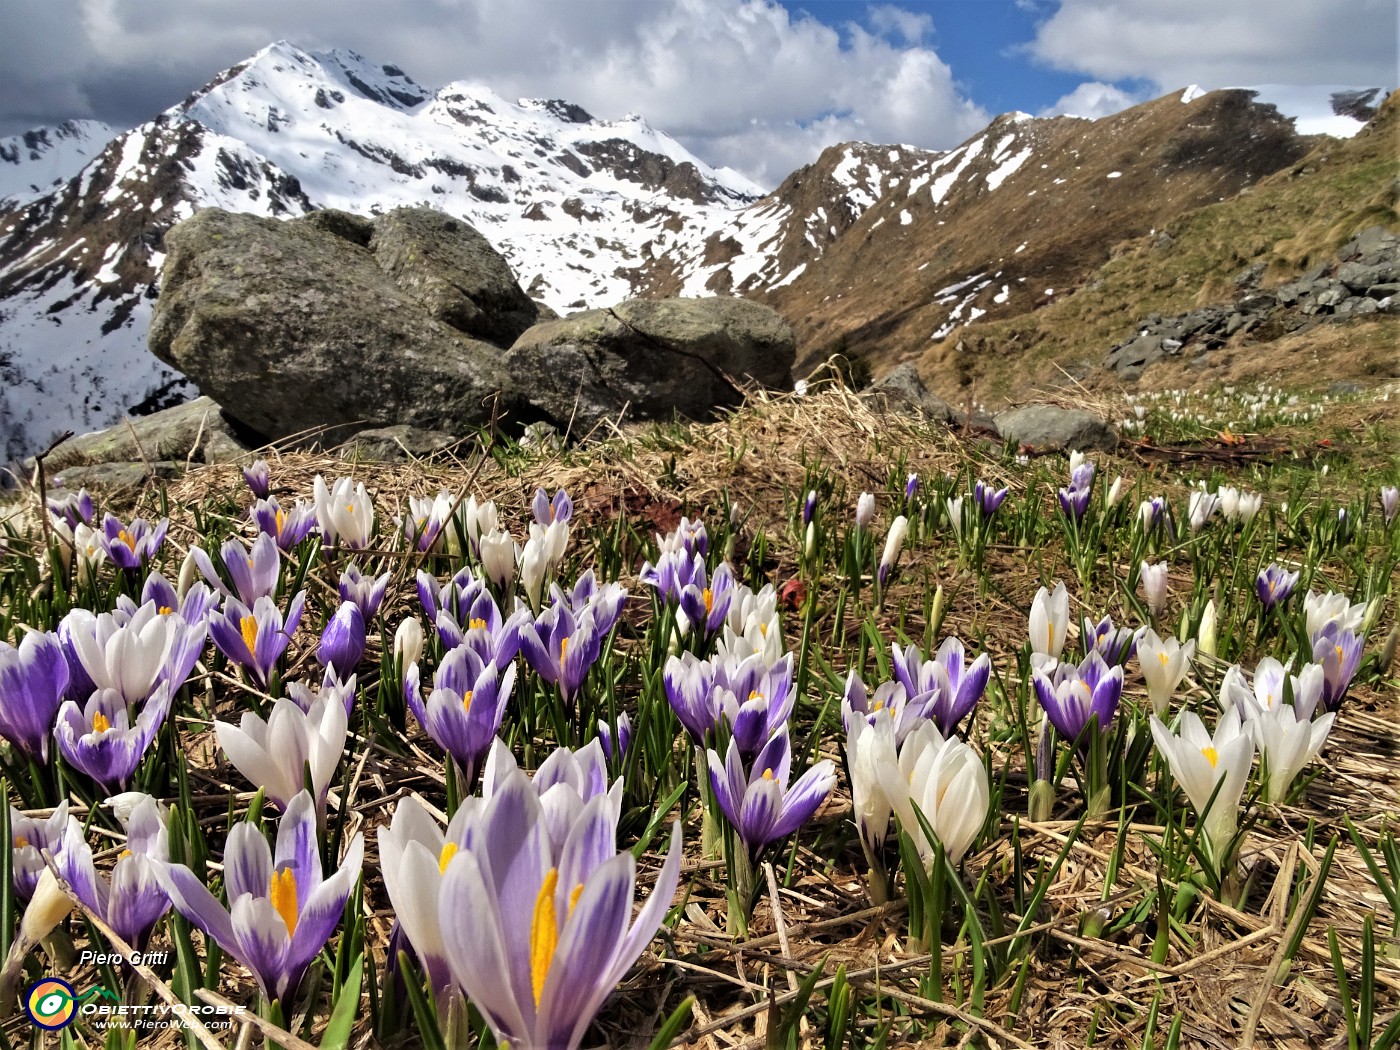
[(761, 86)]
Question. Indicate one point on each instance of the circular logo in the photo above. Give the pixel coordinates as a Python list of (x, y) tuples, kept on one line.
[(51, 1004)]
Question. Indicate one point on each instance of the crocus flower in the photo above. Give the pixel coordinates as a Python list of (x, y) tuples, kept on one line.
[(1390, 502), (30, 838), (129, 654), (275, 754), (476, 520), (1200, 508), (809, 507), (1154, 587), (343, 641), (76, 507), (1200, 762), (105, 738), (894, 543), (705, 605), (673, 572), (988, 499), (1114, 644), (689, 536), (547, 511), (1049, 622), (1274, 585), (911, 486), (1152, 512), (948, 782), (256, 638), (1267, 689), (286, 527), (1074, 500), (335, 689), (131, 546), (426, 519), (194, 604), (561, 648), (255, 573), (133, 901), (756, 700), (956, 520), (865, 510), (753, 625), (1164, 663), (365, 591), (1338, 650), (538, 937), (1205, 633), (1115, 493), (465, 708), (614, 740), (408, 642), (282, 909), (889, 704), (498, 557), (345, 512), (1071, 696), (760, 806), (944, 687), (1321, 609), (33, 679), (869, 746), (259, 478), (1287, 740), (690, 690), (604, 601), (414, 852)]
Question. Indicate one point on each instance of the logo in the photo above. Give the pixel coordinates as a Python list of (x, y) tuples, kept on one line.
[(51, 1004)]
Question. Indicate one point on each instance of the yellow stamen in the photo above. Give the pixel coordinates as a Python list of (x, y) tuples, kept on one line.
[(767, 774), (574, 896), (21, 842), (1212, 756), (100, 723), (282, 891), (754, 694), (128, 539), (350, 508), (1163, 657), (449, 850), (544, 934), (279, 519), (563, 647), (250, 563), (763, 629), (878, 705), (249, 626), (467, 700), (476, 623), (123, 853), (165, 610), (1339, 652), (709, 597), (1049, 636)]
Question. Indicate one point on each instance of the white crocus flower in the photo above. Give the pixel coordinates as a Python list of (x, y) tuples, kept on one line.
[(1076, 460), (1115, 492), (345, 512), (408, 642), (1249, 505), (1287, 741), (498, 555), (534, 568), (1154, 587), (869, 750), (955, 515), (1229, 498), (1049, 622), (1205, 635), (865, 510), (1200, 508), (121, 653), (1164, 663), (275, 753), (1200, 762), (88, 551), (752, 626), (1321, 609), (894, 543), (947, 781)]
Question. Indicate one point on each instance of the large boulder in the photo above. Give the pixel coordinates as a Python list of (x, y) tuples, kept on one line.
[(1045, 427), (295, 327), (197, 431), (901, 389), (653, 358)]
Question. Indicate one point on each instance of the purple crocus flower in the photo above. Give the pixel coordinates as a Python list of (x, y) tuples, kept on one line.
[(538, 936), (755, 699), (761, 807), (133, 901), (256, 638), (1115, 644), (77, 507), (105, 738), (891, 702), (987, 498), (1390, 502), (465, 708), (690, 690), (194, 607), (282, 910), (131, 546), (33, 679), (495, 639), (1338, 650), (30, 838), (561, 648), (254, 573), (259, 478), (1074, 500), (1072, 695), (1274, 585), (345, 690), (673, 572), (605, 600), (454, 597), (809, 507), (911, 486), (944, 688), (343, 640), (365, 591), (614, 741), (706, 605), (1152, 512), (548, 511), (286, 527)]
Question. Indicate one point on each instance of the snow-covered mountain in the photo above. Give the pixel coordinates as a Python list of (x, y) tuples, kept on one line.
[(35, 162), (577, 205)]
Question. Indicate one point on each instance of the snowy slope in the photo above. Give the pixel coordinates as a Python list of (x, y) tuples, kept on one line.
[(31, 164), (577, 205)]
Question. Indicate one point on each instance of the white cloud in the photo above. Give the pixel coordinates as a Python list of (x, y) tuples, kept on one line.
[(1217, 44), (741, 82), (1092, 99)]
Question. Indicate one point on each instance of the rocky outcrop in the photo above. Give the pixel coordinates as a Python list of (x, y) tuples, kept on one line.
[(901, 390), (1365, 279), (1043, 427), (392, 444), (295, 328), (650, 359)]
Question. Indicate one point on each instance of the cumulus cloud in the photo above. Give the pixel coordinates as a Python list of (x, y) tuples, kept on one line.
[(1218, 44), (1092, 99), (743, 83)]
